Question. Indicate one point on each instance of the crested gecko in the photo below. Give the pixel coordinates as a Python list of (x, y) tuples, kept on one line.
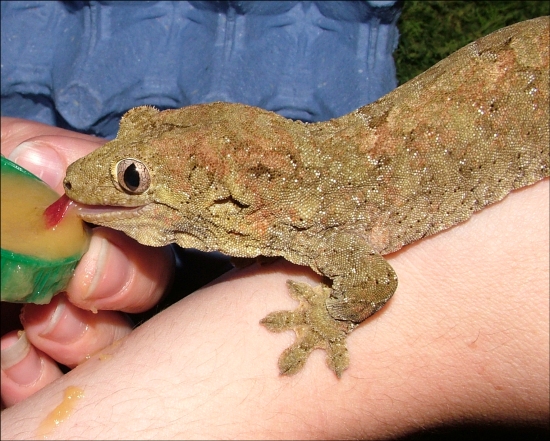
[(337, 195)]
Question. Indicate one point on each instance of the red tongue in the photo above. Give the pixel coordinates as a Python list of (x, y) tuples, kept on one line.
[(55, 212)]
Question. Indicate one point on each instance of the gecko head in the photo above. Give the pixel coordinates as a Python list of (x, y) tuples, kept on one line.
[(113, 189), (163, 173), (165, 157)]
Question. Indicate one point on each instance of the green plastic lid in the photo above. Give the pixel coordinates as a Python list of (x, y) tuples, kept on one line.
[(27, 278)]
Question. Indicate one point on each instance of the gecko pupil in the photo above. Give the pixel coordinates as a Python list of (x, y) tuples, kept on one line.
[(131, 177)]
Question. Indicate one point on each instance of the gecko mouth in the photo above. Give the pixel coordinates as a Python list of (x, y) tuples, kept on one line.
[(105, 213)]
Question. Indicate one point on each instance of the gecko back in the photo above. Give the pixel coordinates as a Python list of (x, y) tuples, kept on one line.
[(456, 138)]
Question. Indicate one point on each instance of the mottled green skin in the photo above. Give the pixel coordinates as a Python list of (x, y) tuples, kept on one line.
[(337, 195)]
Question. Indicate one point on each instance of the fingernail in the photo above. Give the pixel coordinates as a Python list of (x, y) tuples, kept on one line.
[(64, 324), (19, 360), (41, 159), (106, 269)]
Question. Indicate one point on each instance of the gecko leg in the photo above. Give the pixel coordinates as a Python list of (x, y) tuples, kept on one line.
[(362, 282), (314, 329)]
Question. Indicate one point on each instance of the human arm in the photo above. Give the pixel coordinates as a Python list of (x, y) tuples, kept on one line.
[(115, 274), (465, 338)]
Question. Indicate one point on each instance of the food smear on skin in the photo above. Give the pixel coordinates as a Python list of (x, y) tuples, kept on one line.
[(24, 227), (63, 411)]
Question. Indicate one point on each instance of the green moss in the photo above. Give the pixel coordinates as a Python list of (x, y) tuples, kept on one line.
[(431, 30)]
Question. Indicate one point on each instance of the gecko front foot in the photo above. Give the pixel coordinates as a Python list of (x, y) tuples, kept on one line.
[(314, 328)]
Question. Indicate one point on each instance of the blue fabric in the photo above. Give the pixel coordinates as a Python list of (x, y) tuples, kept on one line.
[(81, 65)]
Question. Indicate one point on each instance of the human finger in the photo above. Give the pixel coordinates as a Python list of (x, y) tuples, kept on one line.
[(69, 334), (47, 156), (25, 369), (117, 273)]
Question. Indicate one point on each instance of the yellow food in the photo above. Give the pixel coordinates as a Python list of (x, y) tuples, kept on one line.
[(23, 225)]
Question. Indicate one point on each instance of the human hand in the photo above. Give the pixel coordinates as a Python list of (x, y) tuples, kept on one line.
[(114, 275), (465, 338)]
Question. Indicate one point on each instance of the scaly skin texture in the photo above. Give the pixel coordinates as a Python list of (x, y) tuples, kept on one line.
[(337, 195)]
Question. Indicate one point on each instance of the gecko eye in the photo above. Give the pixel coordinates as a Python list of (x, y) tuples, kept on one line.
[(133, 176)]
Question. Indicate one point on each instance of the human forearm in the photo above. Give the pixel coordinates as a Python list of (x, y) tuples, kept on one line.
[(464, 338)]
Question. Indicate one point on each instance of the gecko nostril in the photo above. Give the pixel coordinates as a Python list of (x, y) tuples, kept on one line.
[(67, 185)]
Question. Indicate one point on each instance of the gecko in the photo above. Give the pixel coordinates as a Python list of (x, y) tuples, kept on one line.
[(336, 195)]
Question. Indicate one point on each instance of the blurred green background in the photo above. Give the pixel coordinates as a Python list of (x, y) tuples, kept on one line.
[(431, 30)]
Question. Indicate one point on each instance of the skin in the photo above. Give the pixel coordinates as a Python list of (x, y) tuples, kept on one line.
[(334, 196)]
